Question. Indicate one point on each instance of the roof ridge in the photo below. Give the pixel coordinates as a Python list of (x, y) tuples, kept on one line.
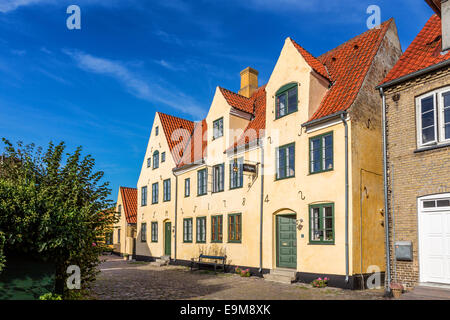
[(310, 59), (169, 115)]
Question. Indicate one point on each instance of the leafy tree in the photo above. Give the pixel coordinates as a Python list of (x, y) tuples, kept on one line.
[(54, 208)]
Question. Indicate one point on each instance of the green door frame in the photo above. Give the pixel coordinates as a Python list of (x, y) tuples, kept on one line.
[(167, 238), (278, 264)]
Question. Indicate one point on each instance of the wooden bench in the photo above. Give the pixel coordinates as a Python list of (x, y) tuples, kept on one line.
[(201, 261)]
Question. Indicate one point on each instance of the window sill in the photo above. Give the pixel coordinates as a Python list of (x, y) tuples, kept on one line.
[(432, 147), (236, 188), (321, 243), (318, 172), (288, 114), (287, 178), (201, 242), (187, 241), (230, 241), (214, 192), (216, 242)]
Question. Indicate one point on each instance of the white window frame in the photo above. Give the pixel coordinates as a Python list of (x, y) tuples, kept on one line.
[(439, 129)]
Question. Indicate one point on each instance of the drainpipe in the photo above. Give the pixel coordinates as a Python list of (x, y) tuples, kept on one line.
[(261, 213), (386, 217), (344, 121), (176, 213)]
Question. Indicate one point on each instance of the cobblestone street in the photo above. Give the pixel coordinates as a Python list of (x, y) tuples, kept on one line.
[(122, 280)]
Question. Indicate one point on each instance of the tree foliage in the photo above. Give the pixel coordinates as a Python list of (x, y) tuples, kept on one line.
[(54, 206)]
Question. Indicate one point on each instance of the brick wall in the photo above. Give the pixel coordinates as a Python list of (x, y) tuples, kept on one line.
[(411, 174)]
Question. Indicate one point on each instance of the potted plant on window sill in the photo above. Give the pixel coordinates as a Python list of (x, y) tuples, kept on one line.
[(397, 289)]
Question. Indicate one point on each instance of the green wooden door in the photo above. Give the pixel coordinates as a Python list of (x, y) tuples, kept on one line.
[(167, 238), (286, 242)]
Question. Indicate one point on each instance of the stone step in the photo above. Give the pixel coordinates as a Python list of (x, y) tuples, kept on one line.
[(165, 258), (160, 262), (284, 272), (280, 276)]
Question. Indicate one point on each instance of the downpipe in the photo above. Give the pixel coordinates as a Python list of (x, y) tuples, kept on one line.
[(176, 216), (261, 212), (386, 212), (344, 121)]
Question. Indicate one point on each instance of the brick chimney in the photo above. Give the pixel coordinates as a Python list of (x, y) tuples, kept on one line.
[(445, 17), (249, 82)]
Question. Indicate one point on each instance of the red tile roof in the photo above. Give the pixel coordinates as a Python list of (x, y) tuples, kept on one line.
[(424, 52), (348, 65), (237, 101), (256, 126), (312, 61), (129, 200), (178, 132), (196, 146)]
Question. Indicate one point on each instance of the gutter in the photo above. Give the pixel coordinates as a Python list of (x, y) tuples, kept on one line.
[(386, 212), (414, 74), (344, 121), (262, 211), (336, 115)]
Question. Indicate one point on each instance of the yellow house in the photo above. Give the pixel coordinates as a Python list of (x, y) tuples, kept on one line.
[(124, 234), (285, 178)]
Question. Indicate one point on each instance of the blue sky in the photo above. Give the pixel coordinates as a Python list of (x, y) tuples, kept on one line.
[(99, 87)]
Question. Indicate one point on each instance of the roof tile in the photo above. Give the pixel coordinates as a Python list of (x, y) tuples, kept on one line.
[(129, 200)]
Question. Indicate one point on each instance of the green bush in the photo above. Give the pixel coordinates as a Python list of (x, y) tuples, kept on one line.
[(2, 256), (54, 206)]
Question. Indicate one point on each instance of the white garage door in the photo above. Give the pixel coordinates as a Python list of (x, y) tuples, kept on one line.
[(434, 239)]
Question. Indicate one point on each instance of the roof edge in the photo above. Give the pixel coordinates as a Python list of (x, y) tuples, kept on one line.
[(413, 75)]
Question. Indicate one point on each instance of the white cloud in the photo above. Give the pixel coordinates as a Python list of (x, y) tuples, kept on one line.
[(11, 5), (151, 92)]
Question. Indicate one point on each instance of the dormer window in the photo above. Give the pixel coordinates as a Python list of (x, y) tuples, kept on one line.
[(218, 128), (286, 100), (156, 160)]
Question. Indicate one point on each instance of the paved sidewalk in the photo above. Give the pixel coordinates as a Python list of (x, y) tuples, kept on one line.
[(123, 280), (427, 293)]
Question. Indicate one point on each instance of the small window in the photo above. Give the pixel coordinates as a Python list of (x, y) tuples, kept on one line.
[(321, 153), (144, 232), (202, 182), (154, 231), (201, 230), (163, 157), (286, 162), (187, 230), (156, 160), (218, 128), (155, 192), (144, 196), (118, 235), (119, 209), (156, 131), (237, 173), (218, 178), (322, 223), (149, 162), (286, 100), (234, 227), (187, 187), (166, 190), (216, 229)]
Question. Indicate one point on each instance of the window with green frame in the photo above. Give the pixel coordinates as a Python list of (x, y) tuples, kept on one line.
[(321, 223), (166, 190), (216, 229), (218, 178), (201, 229), (218, 128), (187, 187), (143, 232), (187, 230), (235, 227), (286, 100), (156, 160), (286, 161), (154, 231), (155, 193), (237, 173), (321, 153), (202, 182)]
